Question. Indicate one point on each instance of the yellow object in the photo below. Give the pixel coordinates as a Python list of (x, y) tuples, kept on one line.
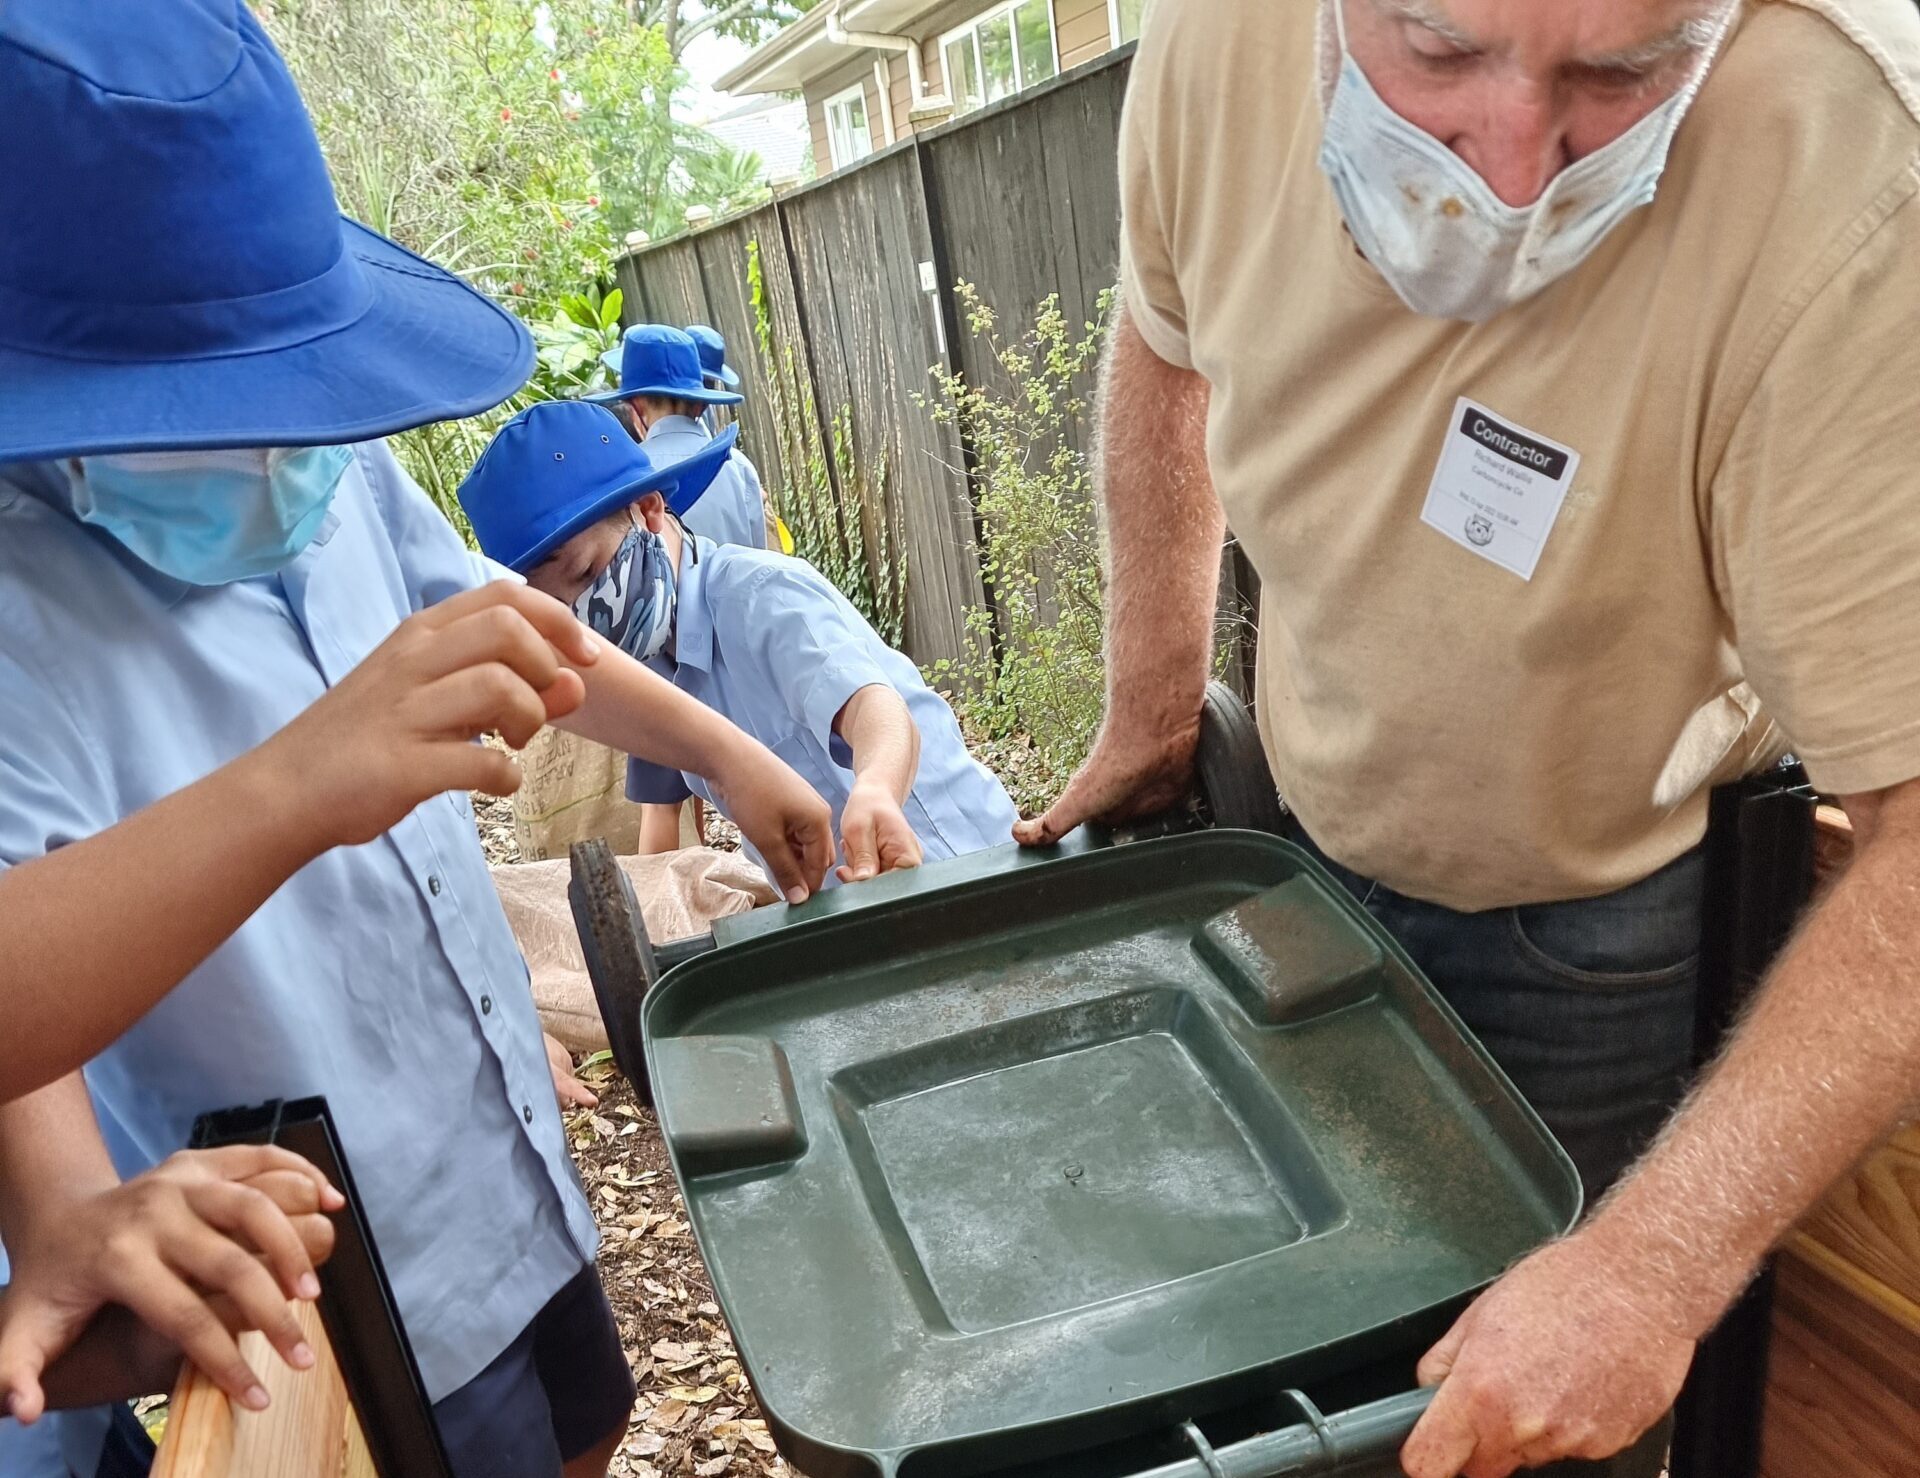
[(785, 533)]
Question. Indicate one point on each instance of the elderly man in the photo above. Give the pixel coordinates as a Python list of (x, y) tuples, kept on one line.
[(1554, 363)]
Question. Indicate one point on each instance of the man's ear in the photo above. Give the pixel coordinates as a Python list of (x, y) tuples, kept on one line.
[(651, 510)]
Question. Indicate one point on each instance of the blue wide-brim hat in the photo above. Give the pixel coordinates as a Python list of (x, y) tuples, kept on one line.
[(175, 272), (563, 465), (713, 355), (655, 359)]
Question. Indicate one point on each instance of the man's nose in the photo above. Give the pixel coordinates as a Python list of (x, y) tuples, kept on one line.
[(1519, 147)]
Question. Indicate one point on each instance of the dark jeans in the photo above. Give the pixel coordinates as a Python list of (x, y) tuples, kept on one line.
[(1587, 1006)]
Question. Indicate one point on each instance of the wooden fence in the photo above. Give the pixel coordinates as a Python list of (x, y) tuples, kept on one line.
[(1019, 199)]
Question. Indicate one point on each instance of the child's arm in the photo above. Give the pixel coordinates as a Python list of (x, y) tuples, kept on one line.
[(209, 1241), (630, 708), (874, 831), (91, 935)]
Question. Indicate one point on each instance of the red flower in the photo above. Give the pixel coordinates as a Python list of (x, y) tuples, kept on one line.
[(593, 200), (519, 289), (506, 115), (555, 74), (566, 225)]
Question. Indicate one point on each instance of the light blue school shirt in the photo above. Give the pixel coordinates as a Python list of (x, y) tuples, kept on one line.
[(731, 510), (383, 976), (767, 641)]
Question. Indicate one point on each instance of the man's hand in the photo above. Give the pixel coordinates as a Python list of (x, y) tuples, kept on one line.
[(875, 835), (787, 822), (207, 1240), (1564, 1357), (399, 729), (1132, 772), (571, 1092)]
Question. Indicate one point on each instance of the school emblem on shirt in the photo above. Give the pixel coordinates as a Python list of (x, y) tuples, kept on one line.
[(1498, 488)]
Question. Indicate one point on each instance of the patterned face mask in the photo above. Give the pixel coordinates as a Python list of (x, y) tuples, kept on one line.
[(632, 603)]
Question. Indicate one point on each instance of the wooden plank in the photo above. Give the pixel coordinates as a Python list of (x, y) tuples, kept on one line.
[(309, 1430), (1843, 1395)]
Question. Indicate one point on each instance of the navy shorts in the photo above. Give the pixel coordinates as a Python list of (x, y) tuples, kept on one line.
[(554, 1393)]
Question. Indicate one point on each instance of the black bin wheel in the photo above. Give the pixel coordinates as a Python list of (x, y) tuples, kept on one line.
[(620, 958), (1236, 785)]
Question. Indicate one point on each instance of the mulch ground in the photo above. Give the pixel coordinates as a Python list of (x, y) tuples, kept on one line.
[(696, 1414)]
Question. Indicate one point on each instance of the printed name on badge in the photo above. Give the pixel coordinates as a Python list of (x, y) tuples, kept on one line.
[(1498, 488)]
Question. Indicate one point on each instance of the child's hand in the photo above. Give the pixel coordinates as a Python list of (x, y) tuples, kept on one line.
[(785, 819), (875, 835), (399, 729), (571, 1092), (207, 1242)]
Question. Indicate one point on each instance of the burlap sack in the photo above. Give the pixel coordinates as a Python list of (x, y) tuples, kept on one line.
[(572, 789), (680, 893)]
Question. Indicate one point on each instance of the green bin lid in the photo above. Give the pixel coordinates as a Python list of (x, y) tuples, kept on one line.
[(1018, 1155)]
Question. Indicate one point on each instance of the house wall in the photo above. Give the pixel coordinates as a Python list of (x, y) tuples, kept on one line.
[(858, 68), (1083, 30)]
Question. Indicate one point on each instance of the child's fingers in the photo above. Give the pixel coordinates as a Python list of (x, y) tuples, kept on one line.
[(223, 1266), (857, 837), (24, 1342), (173, 1310), (246, 1211), (553, 621), (246, 1161), (476, 700)]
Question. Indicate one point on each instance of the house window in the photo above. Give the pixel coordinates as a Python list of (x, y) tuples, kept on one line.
[(848, 136), (1000, 52), (1126, 20)]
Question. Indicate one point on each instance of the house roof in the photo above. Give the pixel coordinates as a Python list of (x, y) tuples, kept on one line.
[(773, 128), (796, 55)]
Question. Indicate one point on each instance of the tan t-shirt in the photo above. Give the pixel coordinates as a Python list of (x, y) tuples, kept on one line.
[(1737, 368)]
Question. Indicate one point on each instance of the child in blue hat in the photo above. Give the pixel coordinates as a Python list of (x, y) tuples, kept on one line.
[(719, 375), (247, 661), (757, 636), (667, 392)]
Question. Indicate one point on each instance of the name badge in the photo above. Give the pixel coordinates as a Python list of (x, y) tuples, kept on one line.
[(1498, 488)]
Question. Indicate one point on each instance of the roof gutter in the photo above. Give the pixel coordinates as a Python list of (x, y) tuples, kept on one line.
[(924, 102)]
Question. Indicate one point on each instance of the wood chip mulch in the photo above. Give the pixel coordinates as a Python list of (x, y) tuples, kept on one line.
[(696, 1415)]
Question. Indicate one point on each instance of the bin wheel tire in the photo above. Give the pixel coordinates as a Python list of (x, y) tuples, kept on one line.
[(1236, 786), (619, 955)]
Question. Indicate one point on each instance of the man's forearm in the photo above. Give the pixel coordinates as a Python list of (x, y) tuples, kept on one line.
[(880, 732), (92, 935), (1827, 1061), (1164, 533)]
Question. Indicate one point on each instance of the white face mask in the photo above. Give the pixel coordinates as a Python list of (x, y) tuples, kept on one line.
[(1433, 228)]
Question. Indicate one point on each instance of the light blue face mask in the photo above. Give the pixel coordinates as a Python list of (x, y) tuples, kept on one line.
[(210, 518), (632, 603), (1447, 245)]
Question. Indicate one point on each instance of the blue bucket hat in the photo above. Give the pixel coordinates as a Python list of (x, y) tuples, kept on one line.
[(713, 355), (175, 273), (563, 465), (654, 359)]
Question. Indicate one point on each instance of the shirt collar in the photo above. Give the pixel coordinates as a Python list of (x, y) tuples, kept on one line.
[(692, 617), (678, 426)]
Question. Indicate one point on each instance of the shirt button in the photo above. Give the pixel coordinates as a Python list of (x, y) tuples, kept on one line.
[(486, 1005), (433, 883), (526, 1112)]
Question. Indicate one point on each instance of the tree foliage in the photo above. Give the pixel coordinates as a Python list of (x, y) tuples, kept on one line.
[(516, 142)]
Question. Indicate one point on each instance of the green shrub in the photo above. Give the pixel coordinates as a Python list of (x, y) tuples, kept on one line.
[(1031, 698)]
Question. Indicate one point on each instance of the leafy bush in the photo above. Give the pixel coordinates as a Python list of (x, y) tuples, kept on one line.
[(515, 142), (1032, 695)]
